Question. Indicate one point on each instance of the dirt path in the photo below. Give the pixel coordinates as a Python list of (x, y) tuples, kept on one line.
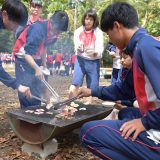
[(10, 145)]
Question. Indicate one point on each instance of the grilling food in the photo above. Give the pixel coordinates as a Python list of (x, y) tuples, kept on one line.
[(49, 105), (29, 111), (74, 105), (40, 110), (66, 112), (82, 109), (50, 113), (38, 113)]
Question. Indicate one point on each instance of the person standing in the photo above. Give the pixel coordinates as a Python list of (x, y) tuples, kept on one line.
[(12, 14), (35, 11), (57, 64), (73, 58), (66, 61), (50, 61), (114, 53), (135, 136), (88, 41), (29, 53)]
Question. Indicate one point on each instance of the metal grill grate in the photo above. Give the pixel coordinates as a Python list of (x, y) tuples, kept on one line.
[(80, 115)]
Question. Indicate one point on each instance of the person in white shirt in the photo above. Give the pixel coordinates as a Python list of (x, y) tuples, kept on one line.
[(89, 46), (114, 53)]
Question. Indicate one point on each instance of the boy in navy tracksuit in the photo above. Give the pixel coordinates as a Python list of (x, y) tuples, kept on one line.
[(136, 135), (125, 73), (12, 14), (29, 51)]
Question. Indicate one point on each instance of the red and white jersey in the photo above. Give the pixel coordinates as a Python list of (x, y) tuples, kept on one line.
[(145, 94), (91, 40)]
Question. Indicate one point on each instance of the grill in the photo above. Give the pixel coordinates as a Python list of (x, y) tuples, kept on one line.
[(36, 129)]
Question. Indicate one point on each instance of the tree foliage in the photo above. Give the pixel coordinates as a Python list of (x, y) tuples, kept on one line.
[(148, 12)]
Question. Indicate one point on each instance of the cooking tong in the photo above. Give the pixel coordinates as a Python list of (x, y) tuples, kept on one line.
[(62, 103), (53, 92), (40, 99), (58, 103)]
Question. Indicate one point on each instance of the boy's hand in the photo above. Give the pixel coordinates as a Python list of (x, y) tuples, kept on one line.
[(39, 73), (134, 126), (83, 92), (24, 90)]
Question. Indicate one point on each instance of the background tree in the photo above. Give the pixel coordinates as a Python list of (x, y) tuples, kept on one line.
[(148, 12)]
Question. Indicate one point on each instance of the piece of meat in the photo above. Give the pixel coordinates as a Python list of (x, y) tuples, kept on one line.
[(73, 104), (82, 109), (40, 110), (29, 111), (50, 113), (38, 113), (48, 106), (66, 112)]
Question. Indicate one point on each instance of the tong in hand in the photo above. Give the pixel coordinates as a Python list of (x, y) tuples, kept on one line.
[(40, 99), (62, 103), (53, 92)]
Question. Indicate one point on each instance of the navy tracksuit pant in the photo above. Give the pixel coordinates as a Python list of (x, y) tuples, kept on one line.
[(103, 138)]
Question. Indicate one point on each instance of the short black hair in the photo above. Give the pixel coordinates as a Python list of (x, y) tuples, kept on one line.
[(121, 12), (91, 13), (60, 20), (125, 51), (36, 2), (16, 11)]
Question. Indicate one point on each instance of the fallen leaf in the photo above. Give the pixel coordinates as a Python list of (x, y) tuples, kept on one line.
[(2, 140)]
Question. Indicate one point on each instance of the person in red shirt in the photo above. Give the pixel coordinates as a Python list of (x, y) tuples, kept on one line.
[(50, 61), (35, 11), (73, 58), (66, 62), (57, 65), (29, 50)]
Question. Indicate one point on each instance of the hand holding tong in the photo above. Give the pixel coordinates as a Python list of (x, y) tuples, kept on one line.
[(40, 99), (62, 103)]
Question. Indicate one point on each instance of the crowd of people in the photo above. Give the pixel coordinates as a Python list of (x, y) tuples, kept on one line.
[(61, 64), (135, 84)]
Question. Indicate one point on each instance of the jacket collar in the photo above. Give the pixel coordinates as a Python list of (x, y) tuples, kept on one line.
[(141, 32)]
